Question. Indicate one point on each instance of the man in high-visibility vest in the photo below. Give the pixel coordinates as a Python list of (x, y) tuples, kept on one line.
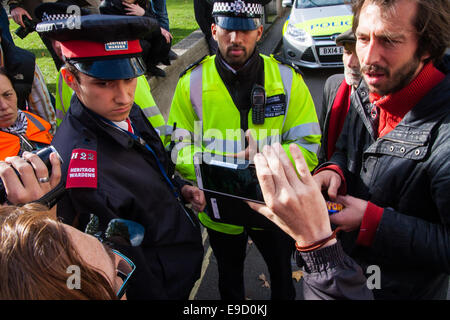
[(215, 95)]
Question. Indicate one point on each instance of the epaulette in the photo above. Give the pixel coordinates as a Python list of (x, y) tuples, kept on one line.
[(288, 63), (193, 65)]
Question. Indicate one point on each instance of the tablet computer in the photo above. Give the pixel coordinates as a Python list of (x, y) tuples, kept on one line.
[(227, 176)]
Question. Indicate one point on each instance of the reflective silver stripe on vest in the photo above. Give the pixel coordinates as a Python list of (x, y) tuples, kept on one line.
[(269, 141), (165, 130), (196, 86), (297, 134), (286, 74), (230, 146), (59, 114), (61, 98), (302, 130), (35, 121), (234, 146), (222, 146), (313, 147), (151, 111)]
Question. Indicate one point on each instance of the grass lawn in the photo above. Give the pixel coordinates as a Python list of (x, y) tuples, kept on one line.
[(181, 19), (33, 43)]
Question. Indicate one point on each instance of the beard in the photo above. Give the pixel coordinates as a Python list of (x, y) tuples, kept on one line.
[(352, 76), (395, 80), (233, 61)]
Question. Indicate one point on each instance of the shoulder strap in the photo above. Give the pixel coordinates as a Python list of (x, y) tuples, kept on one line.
[(286, 62), (193, 65)]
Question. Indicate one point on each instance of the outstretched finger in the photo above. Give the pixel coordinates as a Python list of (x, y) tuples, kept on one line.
[(333, 189), (276, 166), (300, 163), (288, 167), (265, 178), (20, 21), (28, 15), (252, 148)]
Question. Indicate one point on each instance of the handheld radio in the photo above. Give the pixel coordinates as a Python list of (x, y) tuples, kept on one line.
[(258, 104)]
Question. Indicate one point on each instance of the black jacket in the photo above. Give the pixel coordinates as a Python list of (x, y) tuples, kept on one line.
[(131, 186), (406, 172), (330, 274)]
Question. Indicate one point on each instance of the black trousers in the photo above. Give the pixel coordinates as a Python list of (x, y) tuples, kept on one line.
[(276, 248)]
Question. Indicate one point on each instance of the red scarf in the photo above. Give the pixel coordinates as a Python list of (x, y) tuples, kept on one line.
[(338, 113), (395, 106)]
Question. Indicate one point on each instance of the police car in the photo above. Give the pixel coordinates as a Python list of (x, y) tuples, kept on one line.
[(309, 33)]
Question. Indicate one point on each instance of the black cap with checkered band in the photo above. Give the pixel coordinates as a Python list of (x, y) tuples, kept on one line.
[(238, 14)]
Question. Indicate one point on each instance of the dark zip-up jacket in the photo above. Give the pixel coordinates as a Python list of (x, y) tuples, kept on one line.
[(330, 274), (131, 186), (406, 172)]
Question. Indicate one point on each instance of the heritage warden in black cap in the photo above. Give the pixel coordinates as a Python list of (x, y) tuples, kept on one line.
[(115, 164), (102, 46)]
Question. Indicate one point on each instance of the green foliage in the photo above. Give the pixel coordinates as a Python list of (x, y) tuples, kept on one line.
[(181, 19)]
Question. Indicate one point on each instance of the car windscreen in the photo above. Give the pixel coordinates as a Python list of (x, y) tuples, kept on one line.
[(317, 3)]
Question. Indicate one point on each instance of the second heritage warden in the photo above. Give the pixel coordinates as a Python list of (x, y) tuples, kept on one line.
[(114, 161)]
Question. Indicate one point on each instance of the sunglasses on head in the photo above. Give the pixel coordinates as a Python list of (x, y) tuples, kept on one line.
[(119, 232)]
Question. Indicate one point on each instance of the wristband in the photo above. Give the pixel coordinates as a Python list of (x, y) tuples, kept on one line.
[(318, 244)]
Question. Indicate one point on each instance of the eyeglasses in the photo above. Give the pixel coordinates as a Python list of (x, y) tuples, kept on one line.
[(125, 269)]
